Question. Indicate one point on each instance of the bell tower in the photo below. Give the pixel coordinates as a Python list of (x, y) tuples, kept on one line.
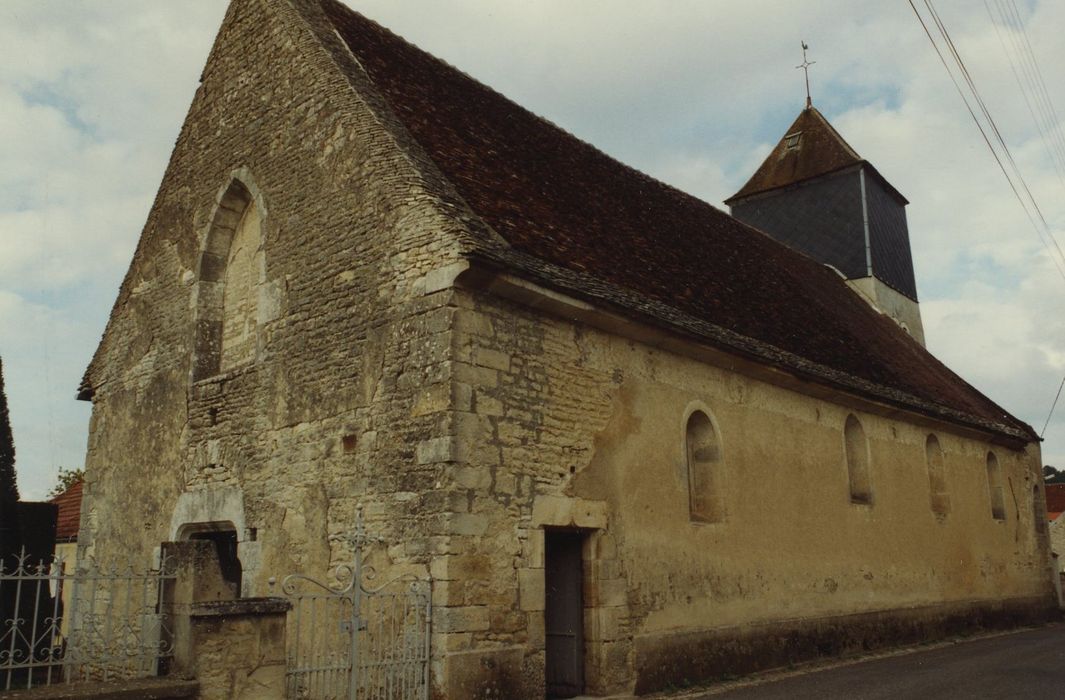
[(815, 194)]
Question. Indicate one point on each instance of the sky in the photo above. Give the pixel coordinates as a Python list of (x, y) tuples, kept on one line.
[(693, 92)]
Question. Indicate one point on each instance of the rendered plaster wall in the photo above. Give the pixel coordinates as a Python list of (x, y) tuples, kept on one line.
[(1057, 540), (348, 380), (569, 426), (903, 310)]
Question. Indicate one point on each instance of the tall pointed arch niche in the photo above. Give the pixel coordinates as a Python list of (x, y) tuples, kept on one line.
[(229, 283)]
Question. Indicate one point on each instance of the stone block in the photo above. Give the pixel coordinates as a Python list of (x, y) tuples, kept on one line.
[(466, 618), (468, 524), (467, 567), (432, 399), (602, 569), (552, 510), (534, 628), (441, 449), (448, 593), (451, 641), (472, 477), (604, 546), (590, 514), (472, 322), (493, 359), (532, 551), (475, 376), (613, 592), (442, 277), (531, 589), (562, 511), (462, 396), (488, 406), (604, 624)]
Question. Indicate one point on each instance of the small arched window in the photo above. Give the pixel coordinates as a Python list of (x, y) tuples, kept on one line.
[(994, 486), (703, 450), (937, 477), (1039, 511), (228, 285), (856, 451)]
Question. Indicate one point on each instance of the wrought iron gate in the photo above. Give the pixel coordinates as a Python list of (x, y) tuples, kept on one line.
[(65, 623), (351, 639)]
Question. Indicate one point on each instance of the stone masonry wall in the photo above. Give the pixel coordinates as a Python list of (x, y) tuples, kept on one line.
[(347, 398), (568, 426)]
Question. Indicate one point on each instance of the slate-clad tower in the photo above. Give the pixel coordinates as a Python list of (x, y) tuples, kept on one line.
[(817, 195)]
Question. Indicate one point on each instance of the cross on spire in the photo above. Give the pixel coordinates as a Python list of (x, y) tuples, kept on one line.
[(805, 65)]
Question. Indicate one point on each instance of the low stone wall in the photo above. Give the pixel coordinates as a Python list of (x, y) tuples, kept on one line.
[(689, 658), (138, 689), (233, 647), (238, 648)]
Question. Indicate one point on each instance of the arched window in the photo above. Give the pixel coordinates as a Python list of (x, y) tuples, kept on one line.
[(994, 486), (1039, 511), (937, 477), (240, 292), (856, 450), (230, 276), (703, 451)]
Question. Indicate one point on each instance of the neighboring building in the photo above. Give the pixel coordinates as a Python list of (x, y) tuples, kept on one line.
[(1055, 508), (565, 390), (68, 516)]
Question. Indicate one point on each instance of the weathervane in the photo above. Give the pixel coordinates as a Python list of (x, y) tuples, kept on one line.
[(805, 65)]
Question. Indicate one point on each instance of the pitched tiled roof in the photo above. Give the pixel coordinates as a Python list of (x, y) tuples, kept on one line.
[(585, 220), (1055, 500), (69, 516)]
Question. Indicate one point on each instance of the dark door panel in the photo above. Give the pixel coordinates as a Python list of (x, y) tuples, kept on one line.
[(564, 614)]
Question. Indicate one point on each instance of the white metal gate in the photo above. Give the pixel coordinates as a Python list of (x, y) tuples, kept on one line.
[(65, 623), (351, 639)]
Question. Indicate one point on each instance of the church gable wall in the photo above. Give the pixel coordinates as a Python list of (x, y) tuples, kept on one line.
[(571, 427), (341, 376)]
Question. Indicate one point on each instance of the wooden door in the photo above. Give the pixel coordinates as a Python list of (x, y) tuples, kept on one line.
[(564, 613)]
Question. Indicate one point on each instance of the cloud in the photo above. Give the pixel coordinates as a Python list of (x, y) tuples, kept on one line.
[(92, 96)]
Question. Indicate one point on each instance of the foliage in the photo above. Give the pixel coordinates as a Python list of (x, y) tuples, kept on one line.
[(66, 479), (8, 484), (1052, 475)]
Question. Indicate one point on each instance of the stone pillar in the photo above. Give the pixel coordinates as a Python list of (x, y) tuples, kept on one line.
[(234, 647)]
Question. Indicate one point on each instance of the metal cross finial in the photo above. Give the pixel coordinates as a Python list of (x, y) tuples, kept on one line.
[(805, 65)]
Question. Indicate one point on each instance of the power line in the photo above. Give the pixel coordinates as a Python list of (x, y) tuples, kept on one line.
[(1052, 407), (1016, 179), (1042, 110)]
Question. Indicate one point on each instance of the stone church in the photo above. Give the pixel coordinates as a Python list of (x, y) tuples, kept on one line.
[(637, 442)]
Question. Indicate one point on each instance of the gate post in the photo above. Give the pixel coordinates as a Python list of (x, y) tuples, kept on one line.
[(234, 647)]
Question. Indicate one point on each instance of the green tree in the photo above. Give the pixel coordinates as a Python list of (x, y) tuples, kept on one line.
[(66, 479), (1052, 475), (9, 531)]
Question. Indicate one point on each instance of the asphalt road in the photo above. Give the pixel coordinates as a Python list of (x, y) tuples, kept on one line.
[(1028, 664)]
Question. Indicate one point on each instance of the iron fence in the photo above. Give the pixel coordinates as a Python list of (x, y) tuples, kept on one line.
[(357, 639), (61, 622)]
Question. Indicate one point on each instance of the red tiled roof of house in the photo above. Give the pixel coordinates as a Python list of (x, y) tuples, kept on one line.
[(1055, 500), (574, 215), (69, 516)]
